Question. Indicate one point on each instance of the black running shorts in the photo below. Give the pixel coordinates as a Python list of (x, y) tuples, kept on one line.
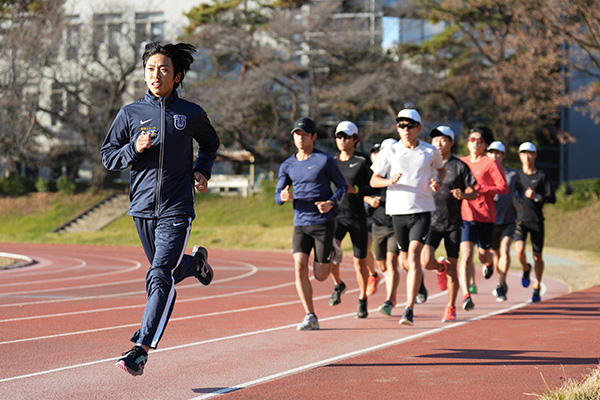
[(319, 237), (410, 227)]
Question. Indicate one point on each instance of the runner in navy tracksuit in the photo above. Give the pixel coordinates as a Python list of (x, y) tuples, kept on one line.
[(311, 172), (155, 137)]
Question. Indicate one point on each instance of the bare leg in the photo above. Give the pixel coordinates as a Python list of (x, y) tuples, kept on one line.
[(335, 269), (539, 269), (362, 276), (303, 286), (415, 274), (466, 251)]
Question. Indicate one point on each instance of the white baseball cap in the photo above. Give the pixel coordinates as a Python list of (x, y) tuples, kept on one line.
[(527, 146), (497, 145), (388, 142), (349, 128), (409, 113), (442, 130)]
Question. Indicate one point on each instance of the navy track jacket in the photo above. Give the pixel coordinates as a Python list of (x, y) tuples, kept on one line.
[(162, 181)]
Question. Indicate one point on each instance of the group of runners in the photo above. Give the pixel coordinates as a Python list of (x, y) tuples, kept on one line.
[(402, 201), (416, 191)]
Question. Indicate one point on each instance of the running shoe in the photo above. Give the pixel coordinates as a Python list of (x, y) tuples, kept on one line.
[(473, 289), (336, 296), (500, 292), (386, 308), (134, 361), (310, 323), (338, 254), (536, 298), (205, 272), (487, 271), (422, 295), (442, 279), (525, 281), (468, 304), (407, 317), (362, 311), (372, 284), (449, 314)]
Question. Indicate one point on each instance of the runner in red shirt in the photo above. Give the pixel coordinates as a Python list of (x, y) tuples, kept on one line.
[(479, 215)]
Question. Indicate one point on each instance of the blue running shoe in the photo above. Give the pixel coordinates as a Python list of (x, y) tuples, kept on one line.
[(536, 298), (525, 281)]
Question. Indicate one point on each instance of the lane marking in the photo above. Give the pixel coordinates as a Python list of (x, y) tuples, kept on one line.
[(269, 330), (252, 271), (351, 354)]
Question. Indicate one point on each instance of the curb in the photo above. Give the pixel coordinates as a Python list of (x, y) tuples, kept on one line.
[(20, 260)]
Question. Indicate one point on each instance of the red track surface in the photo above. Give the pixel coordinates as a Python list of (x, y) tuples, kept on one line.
[(65, 320)]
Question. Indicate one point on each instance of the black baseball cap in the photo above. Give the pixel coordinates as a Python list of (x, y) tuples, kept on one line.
[(306, 125)]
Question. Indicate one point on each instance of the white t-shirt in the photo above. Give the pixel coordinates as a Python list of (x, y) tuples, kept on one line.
[(411, 194)]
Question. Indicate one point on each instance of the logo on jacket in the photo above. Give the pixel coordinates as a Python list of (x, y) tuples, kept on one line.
[(179, 121)]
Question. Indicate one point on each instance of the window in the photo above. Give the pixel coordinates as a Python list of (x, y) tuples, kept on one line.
[(56, 104), (149, 27), (72, 37), (107, 34)]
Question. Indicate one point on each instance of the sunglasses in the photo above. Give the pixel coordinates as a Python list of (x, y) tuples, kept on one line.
[(406, 125), (476, 140), (342, 135)]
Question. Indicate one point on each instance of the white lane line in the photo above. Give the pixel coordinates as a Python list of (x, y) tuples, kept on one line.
[(213, 314), (269, 330), (136, 265), (252, 271), (179, 301), (351, 354), (81, 264)]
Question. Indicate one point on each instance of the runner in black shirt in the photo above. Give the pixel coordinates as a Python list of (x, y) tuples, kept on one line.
[(530, 220), (352, 216), (384, 239), (446, 220)]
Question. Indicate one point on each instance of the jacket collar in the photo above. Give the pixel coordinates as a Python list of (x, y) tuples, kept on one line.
[(173, 97)]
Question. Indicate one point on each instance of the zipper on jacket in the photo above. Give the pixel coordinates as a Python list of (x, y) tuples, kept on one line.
[(161, 157)]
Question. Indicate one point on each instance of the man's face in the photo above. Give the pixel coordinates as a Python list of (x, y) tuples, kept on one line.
[(527, 157), (345, 142), (408, 130), (443, 143), (476, 144), (496, 155), (160, 76), (303, 140)]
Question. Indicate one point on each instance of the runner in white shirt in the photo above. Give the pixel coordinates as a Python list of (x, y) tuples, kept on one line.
[(406, 170)]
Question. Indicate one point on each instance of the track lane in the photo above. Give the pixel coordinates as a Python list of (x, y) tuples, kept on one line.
[(220, 341)]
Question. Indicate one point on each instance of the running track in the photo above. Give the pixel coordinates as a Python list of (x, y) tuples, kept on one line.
[(65, 320)]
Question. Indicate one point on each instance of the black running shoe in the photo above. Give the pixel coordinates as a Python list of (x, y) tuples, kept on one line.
[(336, 296), (422, 295), (407, 317), (468, 304), (488, 271), (500, 292), (205, 272), (362, 311), (134, 361), (525, 281)]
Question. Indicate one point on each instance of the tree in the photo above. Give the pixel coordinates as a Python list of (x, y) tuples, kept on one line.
[(501, 66), (28, 35), (577, 25), (263, 66), (92, 82)]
